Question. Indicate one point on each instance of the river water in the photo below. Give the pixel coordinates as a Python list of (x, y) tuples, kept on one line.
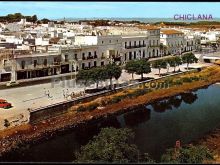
[(186, 117)]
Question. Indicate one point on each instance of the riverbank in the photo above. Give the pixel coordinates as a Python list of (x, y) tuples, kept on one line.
[(14, 137)]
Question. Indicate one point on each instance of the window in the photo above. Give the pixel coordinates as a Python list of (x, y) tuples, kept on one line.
[(22, 64), (83, 65), (102, 63), (94, 63), (125, 44), (75, 56), (45, 62), (134, 43), (35, 63), (66, 58), (95, 55), (83, 56), (110, 41), (102, 42), (90, 53)]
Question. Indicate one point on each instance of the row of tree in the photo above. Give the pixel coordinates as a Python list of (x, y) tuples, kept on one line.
[(187, 58), (139, 67), (16, 17), (98, 74)]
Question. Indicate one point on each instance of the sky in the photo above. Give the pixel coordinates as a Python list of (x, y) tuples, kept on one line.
[(56, 9)]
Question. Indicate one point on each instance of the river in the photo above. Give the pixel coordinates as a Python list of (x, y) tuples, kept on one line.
[(186, 117)]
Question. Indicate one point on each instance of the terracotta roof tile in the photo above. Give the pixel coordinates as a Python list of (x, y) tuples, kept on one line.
[(171, 31), (148, 27)]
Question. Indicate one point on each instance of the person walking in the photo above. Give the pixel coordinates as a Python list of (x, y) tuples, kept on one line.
[(48, 94), (64, 96)]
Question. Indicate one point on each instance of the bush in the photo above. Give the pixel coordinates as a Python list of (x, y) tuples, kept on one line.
[(92, 106), (139, 92), (116, 99), (195, 78), (178, 82), (189, 154), (7, 124), (81, 108), (186, 79)]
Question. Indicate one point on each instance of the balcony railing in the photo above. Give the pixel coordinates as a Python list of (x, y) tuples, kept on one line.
[(137, 46)]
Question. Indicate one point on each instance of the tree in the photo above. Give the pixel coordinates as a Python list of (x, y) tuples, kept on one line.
[(188, 154), (83, 75), (174, 61), (45, 21), (142, 67), (130, 67), (177, 61), (113, 71), (159, 64), (34, 18), (189, 58), (111, 145), (98, 74)]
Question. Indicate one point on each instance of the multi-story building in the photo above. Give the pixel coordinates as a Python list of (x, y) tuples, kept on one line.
[(173, 41)]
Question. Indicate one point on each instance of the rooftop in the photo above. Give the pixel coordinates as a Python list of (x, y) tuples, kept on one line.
[(148, 27), (170, 31)]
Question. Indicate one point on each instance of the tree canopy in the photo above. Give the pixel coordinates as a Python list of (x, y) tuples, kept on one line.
[(189, 58), (111, 145), (188, 154)]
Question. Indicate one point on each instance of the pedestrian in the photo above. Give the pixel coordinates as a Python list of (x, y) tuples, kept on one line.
[(48, 94), (64, 94)]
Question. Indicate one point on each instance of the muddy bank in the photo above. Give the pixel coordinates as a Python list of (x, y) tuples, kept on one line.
[(27, 134)]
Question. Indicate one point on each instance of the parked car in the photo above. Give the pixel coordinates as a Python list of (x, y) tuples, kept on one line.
[(12, 83), (4, 104)]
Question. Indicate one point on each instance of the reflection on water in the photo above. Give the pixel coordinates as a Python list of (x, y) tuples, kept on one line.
[(174, 102), (186, 117), (138, 116)]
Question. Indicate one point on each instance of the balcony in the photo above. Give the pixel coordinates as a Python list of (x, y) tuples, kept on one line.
[(137, 46)]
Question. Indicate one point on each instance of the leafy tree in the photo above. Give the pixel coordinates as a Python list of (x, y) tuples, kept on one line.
[(188, 154), (174, 61), (45, 21), (83, 75), (111, 145), (130, 67), (113, 71), (159, 64), (177, 61), (34, 18), (98, 74), (142, 67), (189, 58)]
